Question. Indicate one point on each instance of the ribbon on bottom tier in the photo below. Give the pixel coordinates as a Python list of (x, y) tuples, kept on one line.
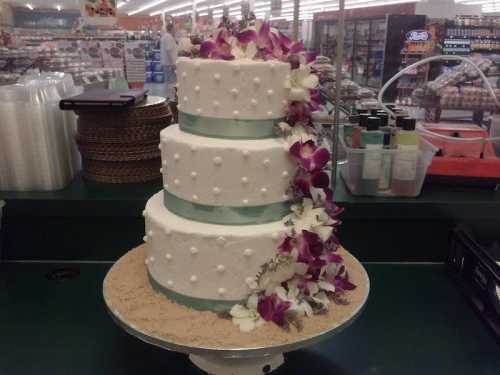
[(201, 304), (228, 128), (251, 215)]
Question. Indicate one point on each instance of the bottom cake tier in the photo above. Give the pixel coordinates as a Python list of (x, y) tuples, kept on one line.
[(205, 266)]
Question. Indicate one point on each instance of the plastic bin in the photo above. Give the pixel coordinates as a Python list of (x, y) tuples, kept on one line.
[(372, 172), (476, 270)]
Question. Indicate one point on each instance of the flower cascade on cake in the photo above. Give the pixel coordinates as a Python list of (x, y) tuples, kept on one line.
[(307, 274)]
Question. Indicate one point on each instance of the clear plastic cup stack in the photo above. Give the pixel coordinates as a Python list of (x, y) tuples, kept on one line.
[(37, 140)]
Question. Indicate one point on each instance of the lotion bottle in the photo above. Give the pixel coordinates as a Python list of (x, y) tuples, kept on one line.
[(405, 167)]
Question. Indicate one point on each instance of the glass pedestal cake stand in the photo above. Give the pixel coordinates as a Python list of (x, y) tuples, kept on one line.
[(244, 360)]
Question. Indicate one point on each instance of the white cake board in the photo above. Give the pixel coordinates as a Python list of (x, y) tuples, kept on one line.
[(237, 361)]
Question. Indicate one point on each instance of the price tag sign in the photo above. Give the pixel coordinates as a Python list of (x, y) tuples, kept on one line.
[(99, 12)]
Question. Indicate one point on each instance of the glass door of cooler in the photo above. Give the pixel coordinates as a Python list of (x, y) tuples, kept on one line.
[(349, 48), (361, 52), (375, 69), (328, 41)]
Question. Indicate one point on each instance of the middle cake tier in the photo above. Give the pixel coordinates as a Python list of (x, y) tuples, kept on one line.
[(225, 173)]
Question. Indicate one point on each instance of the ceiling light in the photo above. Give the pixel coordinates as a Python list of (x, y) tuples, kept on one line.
[(176, 7), (146, 7), (120, 4), (29, 6), (58, 7)]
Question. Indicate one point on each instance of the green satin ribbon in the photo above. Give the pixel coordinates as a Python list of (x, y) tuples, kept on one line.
[(192, 302), (224, 215), (228, 128)]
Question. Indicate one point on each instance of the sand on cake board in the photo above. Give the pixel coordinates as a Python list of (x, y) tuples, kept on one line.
[(128, 293)]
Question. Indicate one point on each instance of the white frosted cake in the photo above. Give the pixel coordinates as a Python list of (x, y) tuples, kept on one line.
[(246, 221), (218, 219)]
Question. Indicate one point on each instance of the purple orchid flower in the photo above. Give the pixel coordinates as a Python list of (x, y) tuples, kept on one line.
[(331, 208), (311, 157), (310, 247), (310, 57), (299, 112), (334, 258), (315, 104), (341, 280), (272, 308), (263, 39), (220, 49), (246, 36), (286, 245), (303, 182)]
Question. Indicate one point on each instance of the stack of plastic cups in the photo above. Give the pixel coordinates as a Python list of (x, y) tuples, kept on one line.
[(37, 145)]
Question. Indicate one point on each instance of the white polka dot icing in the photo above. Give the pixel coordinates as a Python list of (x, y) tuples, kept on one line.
[(248, 252)]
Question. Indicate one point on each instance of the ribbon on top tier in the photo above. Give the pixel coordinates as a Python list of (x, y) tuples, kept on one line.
[(228, 128), (223, 215)]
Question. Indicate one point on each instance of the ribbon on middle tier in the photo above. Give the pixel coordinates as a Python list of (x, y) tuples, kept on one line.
[(223, 215), (228, 128)]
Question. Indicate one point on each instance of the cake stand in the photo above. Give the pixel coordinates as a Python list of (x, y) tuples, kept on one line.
[(239, 360)]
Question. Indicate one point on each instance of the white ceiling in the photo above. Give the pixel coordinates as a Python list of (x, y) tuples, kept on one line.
[(308, 7)]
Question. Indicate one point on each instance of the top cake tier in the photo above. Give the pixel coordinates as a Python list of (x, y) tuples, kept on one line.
[(238, 89)]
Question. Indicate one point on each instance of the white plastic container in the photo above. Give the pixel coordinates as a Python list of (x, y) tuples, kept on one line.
[(352, 172), (37, 139)]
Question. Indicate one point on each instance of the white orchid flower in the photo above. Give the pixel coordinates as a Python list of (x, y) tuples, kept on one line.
[(322, 299), (247, 318), (306, 217), (286, 269), (301, 81), (240, 52), (296, 133), (299, 307)]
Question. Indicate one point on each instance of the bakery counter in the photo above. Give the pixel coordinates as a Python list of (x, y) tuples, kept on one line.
[(53, 321), (100, 221)]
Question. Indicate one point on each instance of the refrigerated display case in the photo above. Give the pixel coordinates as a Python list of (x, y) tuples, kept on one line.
[(363, 48), (369, 56)]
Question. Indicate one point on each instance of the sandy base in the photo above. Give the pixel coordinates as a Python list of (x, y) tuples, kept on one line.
[(128, 292)]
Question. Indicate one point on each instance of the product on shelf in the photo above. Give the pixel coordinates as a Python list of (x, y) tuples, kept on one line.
[(135, 63)]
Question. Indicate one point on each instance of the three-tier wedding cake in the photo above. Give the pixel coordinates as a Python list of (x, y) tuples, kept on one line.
[(245, 221)]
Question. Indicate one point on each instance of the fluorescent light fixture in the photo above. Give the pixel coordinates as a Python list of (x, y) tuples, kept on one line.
[(120, 4), (182, 13), (29, 6), (146, 7), (176, 7), (203, 14), (58, 7)]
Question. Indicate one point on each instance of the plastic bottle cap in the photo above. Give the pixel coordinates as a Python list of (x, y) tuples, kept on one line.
[(399, 121), (363, 120), (407, 123), (354, 119), (373, 123), (384, 118)]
